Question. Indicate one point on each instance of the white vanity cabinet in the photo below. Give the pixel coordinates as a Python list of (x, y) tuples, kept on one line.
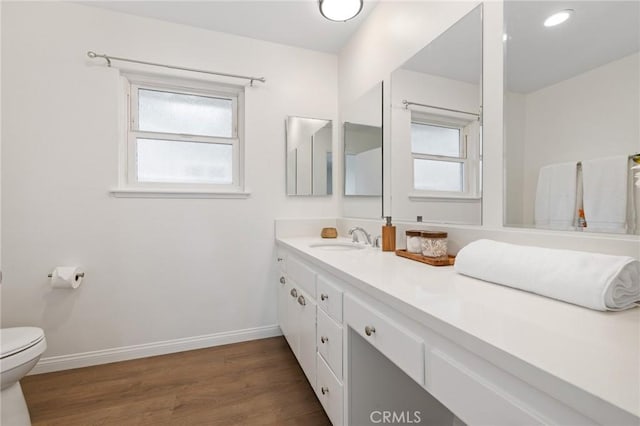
[(324, 315)]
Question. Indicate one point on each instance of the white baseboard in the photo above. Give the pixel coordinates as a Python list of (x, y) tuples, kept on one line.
[(105, 356)]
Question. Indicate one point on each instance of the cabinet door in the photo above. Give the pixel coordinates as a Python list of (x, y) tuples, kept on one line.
[(292, 322), (284, 300), (330, 393), (306, 322)]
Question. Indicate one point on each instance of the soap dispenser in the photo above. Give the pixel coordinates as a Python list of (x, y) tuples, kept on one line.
[(388, 236)]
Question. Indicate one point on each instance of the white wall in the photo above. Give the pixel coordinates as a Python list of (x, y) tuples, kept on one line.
[(592, 115), (430, 90), (157, 269), (514, 131), (364, 172)]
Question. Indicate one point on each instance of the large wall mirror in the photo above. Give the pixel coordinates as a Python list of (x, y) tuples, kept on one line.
[(309, 156), (436, 129), (362, 134), (572, 109)]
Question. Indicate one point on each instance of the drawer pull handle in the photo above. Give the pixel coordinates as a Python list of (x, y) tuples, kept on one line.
[(282, 280), (324, 297), (324, 390), (324, 339), (302, 301), (280, 259), (294, 292), (369, 330)]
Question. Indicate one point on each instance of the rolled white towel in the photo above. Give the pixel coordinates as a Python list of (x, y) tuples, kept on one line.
[(597, 281)]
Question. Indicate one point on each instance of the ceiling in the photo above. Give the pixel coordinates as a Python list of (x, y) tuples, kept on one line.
[(598, 32), (455, 54), (294, 22)]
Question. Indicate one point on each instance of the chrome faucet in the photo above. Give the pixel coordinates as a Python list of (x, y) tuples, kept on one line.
[(353, 231)]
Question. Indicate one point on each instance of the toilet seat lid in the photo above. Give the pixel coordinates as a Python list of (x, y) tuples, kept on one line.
[(16, 339)]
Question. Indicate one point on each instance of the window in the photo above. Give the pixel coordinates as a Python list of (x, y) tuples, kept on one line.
[(446, 160), (183, 135)]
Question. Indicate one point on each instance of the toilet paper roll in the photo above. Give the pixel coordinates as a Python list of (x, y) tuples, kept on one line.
[(67, 277)]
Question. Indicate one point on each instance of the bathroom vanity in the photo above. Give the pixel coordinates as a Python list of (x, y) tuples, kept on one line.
[(491, 355)]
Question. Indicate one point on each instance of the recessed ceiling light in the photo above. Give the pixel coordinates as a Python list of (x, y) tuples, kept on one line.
[(340, 10), (558, 18)]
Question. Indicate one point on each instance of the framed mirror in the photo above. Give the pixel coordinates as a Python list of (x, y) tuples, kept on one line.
[(572, 115), (309, 156), (362, 136), (436, 129)]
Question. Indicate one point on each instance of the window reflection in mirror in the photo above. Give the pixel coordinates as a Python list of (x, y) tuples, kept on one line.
[(572, 108), (362, 134), (436, 127), (309, 156)]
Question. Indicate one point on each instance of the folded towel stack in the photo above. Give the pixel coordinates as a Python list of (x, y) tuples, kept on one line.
[(595, 281)]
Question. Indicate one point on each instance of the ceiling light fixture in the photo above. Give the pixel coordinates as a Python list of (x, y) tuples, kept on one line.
[(558, 18), (340, 10)]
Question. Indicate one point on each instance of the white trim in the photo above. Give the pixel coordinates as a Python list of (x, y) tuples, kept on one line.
[(128, 183), (105, 356), (175, 193)]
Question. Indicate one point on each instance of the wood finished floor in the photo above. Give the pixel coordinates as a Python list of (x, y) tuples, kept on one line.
[(250, 383)]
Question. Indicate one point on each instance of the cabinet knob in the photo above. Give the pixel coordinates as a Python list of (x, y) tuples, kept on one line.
[(324, 390), (280, 259), (369, 330), (324, 339), (282, 280), (294, 292), (301, 300), (324, 296)]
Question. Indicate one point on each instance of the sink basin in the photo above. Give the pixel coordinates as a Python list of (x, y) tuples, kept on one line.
[(337, 246)]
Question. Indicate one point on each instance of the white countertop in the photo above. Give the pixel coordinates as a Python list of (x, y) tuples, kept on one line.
[(598, 352)]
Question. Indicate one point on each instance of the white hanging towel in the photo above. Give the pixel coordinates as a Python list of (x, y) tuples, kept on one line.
[(596, 281), (605, 193), (555, 206)]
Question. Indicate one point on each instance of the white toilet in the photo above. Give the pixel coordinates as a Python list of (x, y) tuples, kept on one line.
[(20, 350)]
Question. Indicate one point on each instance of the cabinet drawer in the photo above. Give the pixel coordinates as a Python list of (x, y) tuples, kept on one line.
[(473, 398), (329, 391), (330, 342), (301, 275), (400, 346), (330, 298)]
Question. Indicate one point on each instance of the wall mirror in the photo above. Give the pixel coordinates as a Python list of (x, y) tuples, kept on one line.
[(362, 135), (436, 129), (572, 108), (309, 156)]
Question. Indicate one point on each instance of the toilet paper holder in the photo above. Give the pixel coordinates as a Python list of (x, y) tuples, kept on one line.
[(78, 275)]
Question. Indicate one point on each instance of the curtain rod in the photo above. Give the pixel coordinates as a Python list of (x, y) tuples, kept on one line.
[(406, 104), (109, 58)]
